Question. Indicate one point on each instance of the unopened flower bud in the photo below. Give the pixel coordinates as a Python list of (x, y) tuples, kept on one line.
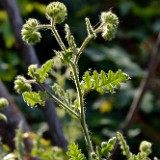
[(109, 17), (145, 147), (21, 86), (109, 32), (93, 155), (3, 103), (110, 23), (32, 71), (104, 144), (56, 11), (29, 31)]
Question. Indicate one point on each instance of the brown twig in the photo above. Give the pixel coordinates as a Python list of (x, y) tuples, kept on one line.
[(28, 54), (142, 88), (141, 91)]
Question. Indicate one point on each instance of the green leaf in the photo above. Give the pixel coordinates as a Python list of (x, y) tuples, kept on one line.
[(108, 146), (88, 83), (70, 40), (34, 98), (101, 82), (67, 56), (43, 71), (90, 29), (124, 146), (74, 153)]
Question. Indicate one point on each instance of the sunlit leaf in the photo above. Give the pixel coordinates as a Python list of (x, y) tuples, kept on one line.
[(74, 153), (43, 71), (34, 98), (102, 81)]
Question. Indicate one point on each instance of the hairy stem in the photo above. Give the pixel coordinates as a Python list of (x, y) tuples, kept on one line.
[(58, 38), (44, 26), (84, 44), (82, 48), (77, 83), (58, 101), (82, 112)]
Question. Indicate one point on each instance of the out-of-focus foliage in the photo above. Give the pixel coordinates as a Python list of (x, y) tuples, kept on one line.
[(42, 148), (130, 51)]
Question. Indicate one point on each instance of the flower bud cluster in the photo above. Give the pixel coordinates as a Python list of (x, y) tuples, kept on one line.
[(145, 147), (29, 31), (56, 11), (21, 86), (3, 103), (110, 23), (32, 71), (94, 155)]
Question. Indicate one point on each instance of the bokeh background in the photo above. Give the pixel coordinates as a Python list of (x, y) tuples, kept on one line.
[(131, 51)]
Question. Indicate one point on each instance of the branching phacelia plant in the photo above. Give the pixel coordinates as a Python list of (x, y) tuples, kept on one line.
[(69, 55)]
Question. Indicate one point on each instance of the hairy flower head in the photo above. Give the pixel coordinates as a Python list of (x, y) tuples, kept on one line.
[(56, 11), (21, 86), (145, 147), (29, 31), (110, 23)]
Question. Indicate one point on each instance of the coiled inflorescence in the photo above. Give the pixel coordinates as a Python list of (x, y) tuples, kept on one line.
[(110, 23), (21, 86), (56, 11), (29, 31)]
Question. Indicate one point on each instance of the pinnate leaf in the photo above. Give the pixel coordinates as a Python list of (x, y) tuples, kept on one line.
[(34, 98), (45, 68), (102, 81), (88, 83), (74, 153), (107, 147)]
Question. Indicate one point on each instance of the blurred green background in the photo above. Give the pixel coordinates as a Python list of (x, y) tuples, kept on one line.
[(130, 51)]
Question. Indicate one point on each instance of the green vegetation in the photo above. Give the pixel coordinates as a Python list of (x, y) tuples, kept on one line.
[(77, 77)]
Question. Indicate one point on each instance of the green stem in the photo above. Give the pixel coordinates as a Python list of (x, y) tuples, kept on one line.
[(56, 34), (58, 101), (58, 38), (44, 26), (80, 96), (82, 112), (84, 44), (86, 41)]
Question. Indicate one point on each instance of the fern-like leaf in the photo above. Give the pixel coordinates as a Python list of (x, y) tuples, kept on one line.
[(107, 147), (124, 146), (34, 98), (43, 71), (102, 81), (87, 85), (74, 152)]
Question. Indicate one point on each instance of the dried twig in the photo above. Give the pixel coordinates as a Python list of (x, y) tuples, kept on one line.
[(142, 88), (138, 99)]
